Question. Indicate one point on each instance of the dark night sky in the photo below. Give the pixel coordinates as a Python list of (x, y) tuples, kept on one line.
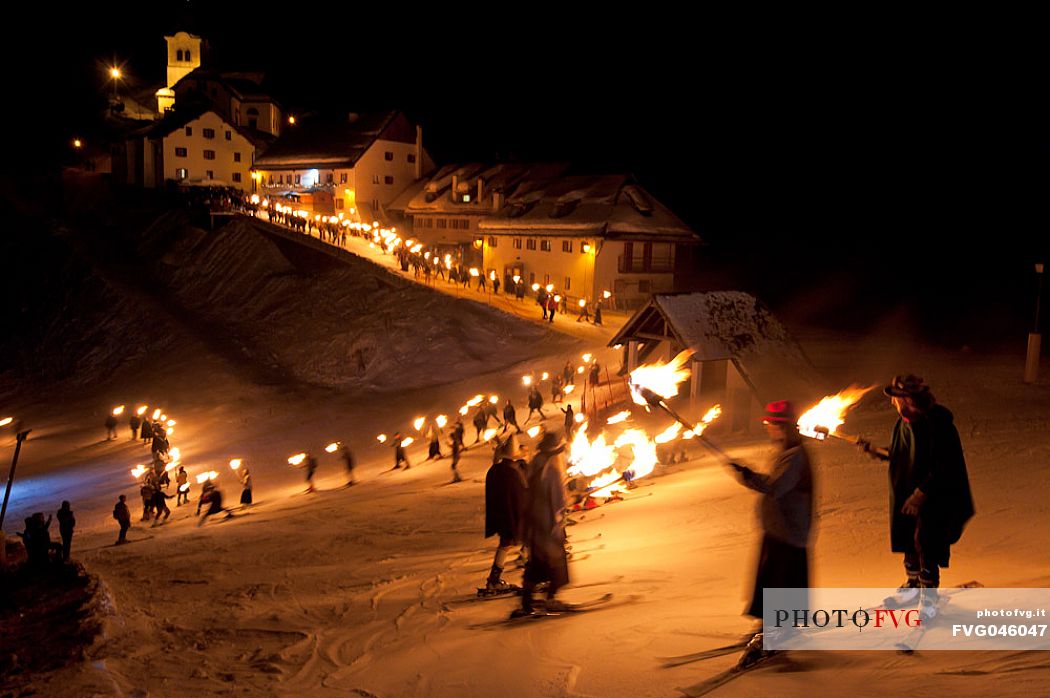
[(895, 166)]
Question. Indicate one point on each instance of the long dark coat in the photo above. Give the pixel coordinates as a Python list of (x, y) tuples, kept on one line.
[(544, 530), (926, 453), (504, 499)]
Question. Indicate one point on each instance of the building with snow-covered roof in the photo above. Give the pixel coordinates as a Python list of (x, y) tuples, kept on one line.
[(358, 163), (743, 357), (192, 147), (586, 235), (443, 212), (238, 97)]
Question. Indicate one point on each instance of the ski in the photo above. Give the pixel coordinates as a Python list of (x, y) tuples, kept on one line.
[(600, 603), (706, 654), (909, 644), (722, 678)]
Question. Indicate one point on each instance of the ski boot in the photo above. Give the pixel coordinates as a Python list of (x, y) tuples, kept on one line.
[(527, 607), (907, 595), (928, 602), (753, 653)]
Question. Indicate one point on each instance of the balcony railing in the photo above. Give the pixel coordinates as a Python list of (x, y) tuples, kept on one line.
[(640, 265)]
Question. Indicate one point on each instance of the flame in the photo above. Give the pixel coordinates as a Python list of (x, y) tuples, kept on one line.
[(579, 418), (381, 438), (549, 287), (171, 422), (668, 434), (830, 412), (142, 410), (588, 457), (606, 294), (407, 441), (619, 417), (175, 454), (533, 431), (705, 421), (475, 401), (545, 376), (170, 466), (463, 410), (582, 302), (332, 447), (6, 420), (474, 271), (569, 388), (579, 370), (517, 278), (169, 431), (494, 399), (614, 481), (663, 379), (557, 298), (204, 477), (535, 287), (235, 463), (489, 433), (643, 450), (137, 471), (526, 380), (297, 459), (184, 488), (118, 410), (419, 422), (586, 358), (441, 420)]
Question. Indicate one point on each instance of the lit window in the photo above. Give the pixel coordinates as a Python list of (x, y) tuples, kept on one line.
[(209, 154), (342, 178), (180, 152), (181, 173)]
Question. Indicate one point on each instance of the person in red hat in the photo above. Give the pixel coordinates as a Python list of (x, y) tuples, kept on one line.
[(930, 499), (786, 513)]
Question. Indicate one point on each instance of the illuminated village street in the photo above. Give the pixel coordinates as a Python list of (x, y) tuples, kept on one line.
[(393, 365)]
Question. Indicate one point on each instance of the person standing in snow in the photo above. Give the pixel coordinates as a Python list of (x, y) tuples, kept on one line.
[(182, 488), (160, 506), (111, 427), (541, 300), (481, 422), (348, 460), (569, 373), (786, 515), (399, 453), (457, 432), (584, 312), (433, 433), (504, 507), (457, 449), (311, 468), (930, 499), (66, 523), (544, 525), (510, 417), (598, 312), (134, 422), (246, 486), (123, 516), (146, 430), (535, 403), (552, 307), (570, 421), (557, 389)]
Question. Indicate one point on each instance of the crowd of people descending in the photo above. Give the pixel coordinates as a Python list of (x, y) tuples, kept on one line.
[(428, 267), (156, 479)]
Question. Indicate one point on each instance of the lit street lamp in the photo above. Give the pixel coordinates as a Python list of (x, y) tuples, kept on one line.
[(115, 74)]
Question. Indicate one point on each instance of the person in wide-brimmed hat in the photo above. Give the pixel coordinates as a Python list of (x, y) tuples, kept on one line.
[(786, 513), (504, 501), (930, 499)]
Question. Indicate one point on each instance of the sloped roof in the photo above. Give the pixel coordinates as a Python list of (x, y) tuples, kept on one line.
[(735, 326), (434, 195), (179, 117), (613, 206), (325, 141)]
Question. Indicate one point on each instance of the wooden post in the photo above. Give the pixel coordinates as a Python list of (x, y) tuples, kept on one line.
[(632, 354)]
